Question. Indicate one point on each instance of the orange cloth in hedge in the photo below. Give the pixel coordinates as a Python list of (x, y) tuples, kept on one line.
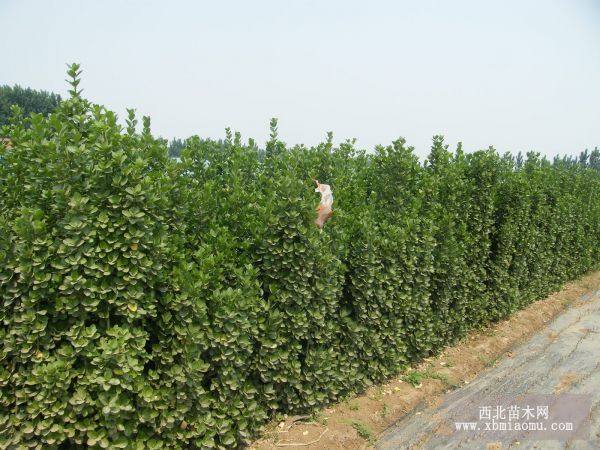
[(324, 209)]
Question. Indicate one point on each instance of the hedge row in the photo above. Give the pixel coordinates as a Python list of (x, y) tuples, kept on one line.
[(152, 303)]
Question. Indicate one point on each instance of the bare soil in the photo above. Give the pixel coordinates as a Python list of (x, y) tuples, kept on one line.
[(356, 423)]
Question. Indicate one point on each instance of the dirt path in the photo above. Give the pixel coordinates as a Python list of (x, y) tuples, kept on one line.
[(357, 422), (563, 358)]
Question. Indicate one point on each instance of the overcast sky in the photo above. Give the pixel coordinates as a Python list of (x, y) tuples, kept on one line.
[(515, 74)]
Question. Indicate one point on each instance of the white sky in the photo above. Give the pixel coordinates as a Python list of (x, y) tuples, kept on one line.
[(519, 75)]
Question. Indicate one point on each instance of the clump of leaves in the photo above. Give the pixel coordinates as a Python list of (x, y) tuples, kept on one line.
[(445, 379), (319, 417), (414, 377), (385, 410), (363, 431)]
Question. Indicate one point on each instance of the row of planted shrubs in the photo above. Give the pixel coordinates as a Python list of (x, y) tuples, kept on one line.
[(152, 303)]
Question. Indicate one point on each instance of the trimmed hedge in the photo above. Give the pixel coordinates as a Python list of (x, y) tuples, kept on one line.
[(149, 303)]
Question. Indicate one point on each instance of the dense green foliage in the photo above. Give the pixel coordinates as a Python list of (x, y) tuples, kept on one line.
[(150, 303), (29, 100)]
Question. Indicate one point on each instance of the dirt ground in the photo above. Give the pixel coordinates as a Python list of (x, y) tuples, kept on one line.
[(356, 423)]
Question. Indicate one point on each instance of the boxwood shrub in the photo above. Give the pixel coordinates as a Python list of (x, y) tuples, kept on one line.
[(153, 303)]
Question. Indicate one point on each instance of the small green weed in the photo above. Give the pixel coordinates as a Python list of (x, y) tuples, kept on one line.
[(385, 411), (363, 431), (413, 378)]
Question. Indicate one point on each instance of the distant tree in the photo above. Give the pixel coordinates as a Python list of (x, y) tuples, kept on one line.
[(584, 157), (595, 159), (30, 101), (175, 147), (519, 160)]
